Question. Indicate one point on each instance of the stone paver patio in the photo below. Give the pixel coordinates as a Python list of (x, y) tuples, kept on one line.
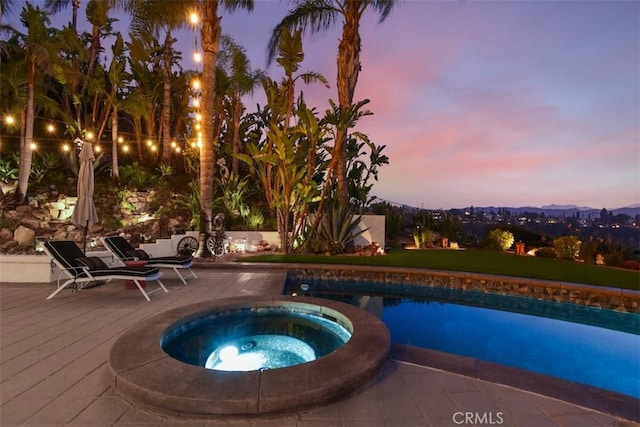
[(53, 367)]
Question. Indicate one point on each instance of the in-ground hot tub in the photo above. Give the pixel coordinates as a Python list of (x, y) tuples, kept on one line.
[(149, 377)]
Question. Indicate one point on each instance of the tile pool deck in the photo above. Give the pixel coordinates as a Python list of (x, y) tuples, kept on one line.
[(53, 366)]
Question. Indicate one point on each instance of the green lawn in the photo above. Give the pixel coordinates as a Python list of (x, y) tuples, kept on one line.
[(479, 261)]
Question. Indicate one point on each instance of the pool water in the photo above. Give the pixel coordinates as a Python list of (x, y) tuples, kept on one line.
[(586, 354), (548, 344)]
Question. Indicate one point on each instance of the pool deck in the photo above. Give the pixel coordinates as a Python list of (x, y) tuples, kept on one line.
[(53, 367)]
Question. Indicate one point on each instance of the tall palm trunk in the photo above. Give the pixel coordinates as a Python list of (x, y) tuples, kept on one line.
[(210, 34), (115, 173), (75, 5), (237, 115), (166, 102), (347, 79), (26, 139)]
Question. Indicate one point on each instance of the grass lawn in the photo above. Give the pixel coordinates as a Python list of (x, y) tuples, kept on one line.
[(479, 261)]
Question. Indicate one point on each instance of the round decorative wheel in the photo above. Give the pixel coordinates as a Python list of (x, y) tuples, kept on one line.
[(215, 246), (188, 246)]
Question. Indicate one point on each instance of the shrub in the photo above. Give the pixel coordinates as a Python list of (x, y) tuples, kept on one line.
[(8, 172), (499, 240), (546, 252), (567, 247), (423, 238), (631, 264), (588, 251), (614, 258), (255, 219)]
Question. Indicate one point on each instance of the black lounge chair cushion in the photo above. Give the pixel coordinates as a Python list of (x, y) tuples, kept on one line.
[(123, 250), (98, 268), (137, 272), (91, 262), (137, 253), (178, 260)]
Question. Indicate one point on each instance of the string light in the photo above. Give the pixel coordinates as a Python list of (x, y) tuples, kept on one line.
[(194, 19)]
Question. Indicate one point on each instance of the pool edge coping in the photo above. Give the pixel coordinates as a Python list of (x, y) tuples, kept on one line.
[(595, 398)]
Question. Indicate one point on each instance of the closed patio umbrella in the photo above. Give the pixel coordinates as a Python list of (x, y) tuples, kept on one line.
[(84, 213)]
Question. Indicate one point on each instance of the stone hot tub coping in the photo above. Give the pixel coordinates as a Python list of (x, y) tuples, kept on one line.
[(149, 378)]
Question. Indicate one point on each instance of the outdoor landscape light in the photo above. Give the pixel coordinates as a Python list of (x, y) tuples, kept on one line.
[(194, 19)]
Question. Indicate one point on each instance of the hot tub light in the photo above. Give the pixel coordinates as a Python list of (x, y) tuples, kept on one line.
[(228, 352)]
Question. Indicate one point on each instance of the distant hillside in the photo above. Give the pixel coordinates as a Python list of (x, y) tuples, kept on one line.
[(562, 210)]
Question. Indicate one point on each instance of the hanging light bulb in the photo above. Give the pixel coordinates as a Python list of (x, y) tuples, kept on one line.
[(194, 19)]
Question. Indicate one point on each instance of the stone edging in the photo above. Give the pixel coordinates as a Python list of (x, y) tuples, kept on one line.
[(146, 376), (610, 298)]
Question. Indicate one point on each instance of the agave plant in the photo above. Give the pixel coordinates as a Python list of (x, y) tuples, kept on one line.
[(337, 228)]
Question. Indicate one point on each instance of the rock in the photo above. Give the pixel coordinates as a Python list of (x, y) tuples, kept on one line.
[(76, 236), (24, 210), (40, 214), (31, 223), (6, 234), (60, 234), (9, 245), (24, 236)]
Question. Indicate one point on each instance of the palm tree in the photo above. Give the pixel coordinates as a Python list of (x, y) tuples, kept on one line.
[(210, 39), (315, 16), (6, 6), (162, 16), (56, 6), (39, 52), (241, 81), (143, 98), (117, 78)]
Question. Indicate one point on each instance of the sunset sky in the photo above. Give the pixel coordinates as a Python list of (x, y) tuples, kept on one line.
[(504, 103)]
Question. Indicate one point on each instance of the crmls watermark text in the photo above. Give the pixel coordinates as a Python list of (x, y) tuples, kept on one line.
[(478, 418)]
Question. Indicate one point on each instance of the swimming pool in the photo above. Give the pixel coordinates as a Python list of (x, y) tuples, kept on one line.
[(587, 345)]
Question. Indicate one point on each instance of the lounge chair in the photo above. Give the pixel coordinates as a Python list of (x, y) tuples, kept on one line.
[(123, 251), (82, 270)]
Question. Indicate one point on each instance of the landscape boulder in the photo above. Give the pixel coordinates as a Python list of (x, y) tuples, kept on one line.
[(25, 236)]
